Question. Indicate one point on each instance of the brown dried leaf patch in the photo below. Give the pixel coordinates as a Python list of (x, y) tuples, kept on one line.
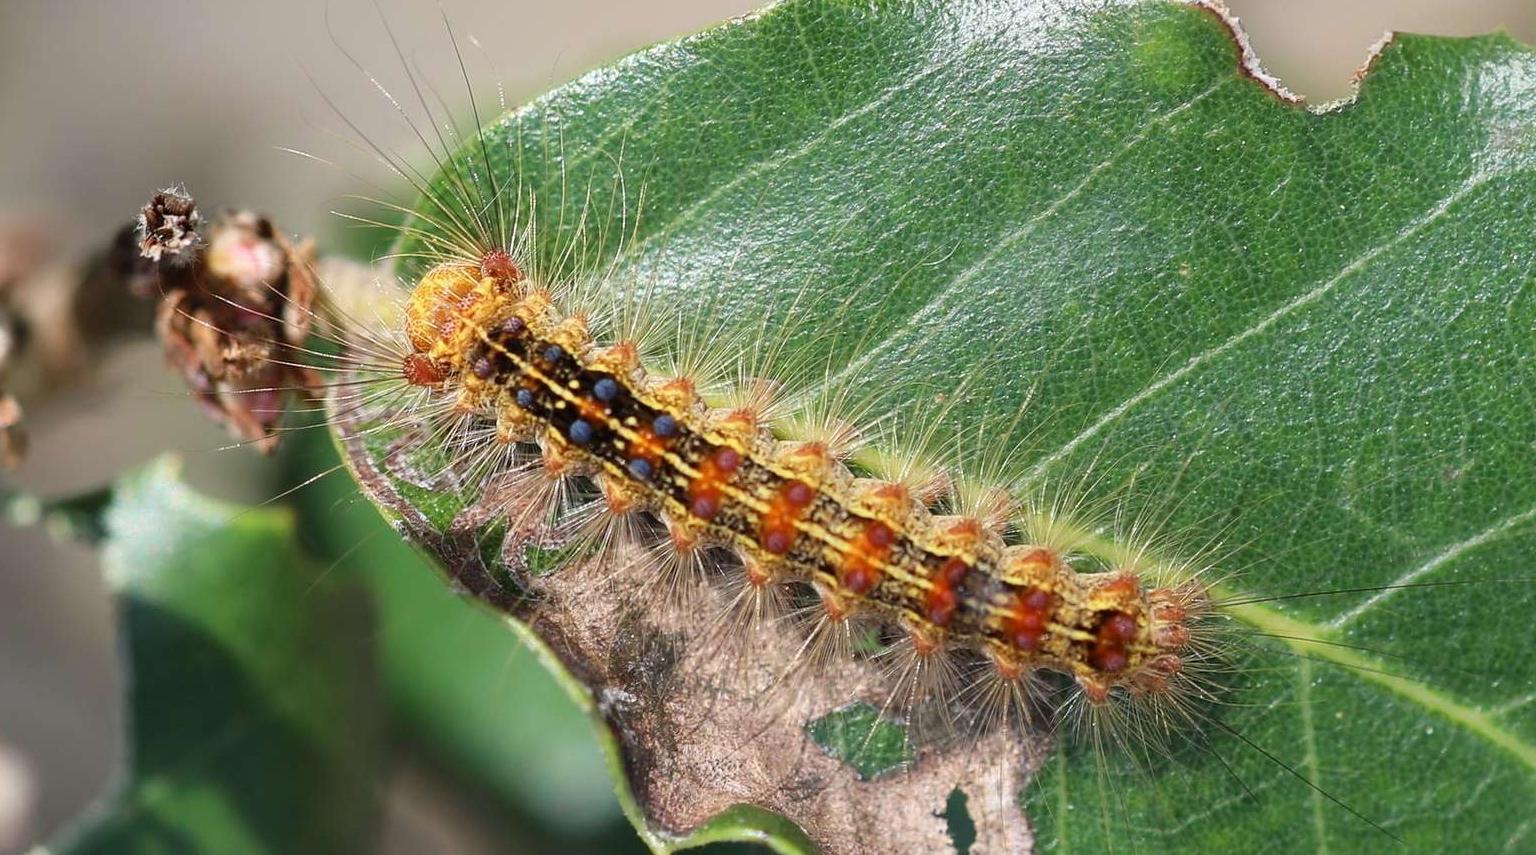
[(702, 724)]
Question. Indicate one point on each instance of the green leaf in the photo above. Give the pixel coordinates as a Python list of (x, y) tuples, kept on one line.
[(1297, 338), (254, 720), (72, 518), (458, 681), (858, 736)]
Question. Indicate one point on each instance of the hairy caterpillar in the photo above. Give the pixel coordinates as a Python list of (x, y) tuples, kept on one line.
[(501, 346), (679, 301)]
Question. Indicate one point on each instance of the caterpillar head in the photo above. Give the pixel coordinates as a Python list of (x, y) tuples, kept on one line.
[(440, 306)]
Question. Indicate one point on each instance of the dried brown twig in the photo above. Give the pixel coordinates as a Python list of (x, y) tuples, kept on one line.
[(231, 305)]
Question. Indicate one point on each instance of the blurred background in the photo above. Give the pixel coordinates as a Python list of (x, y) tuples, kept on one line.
[(104, 102)]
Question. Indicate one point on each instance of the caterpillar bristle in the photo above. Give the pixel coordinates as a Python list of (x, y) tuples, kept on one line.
[(679, 566), (762, 396), (1005, 697), (530, 498), (929, 483), (923, 678), (753, 601), (834, 632)]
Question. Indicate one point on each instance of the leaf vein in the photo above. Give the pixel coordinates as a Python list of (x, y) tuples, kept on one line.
[(1312, 639), (889, 94), (1360, 262), (1024, 230), (1309, 759), (1445, 556)]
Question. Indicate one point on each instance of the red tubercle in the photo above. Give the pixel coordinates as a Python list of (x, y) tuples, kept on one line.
[(1031, 614), (1038, 599), (1027, 632), (704, 503), (419, 370), (860, 571), (706, 491), (859, 578), (1114, 634), (777, 532), (498, 265), (797, 494), (939, 606), (954, 571), (942, 600), (726, 459), (878, 535), (1120, 627), (1110, 659), (777, 536)]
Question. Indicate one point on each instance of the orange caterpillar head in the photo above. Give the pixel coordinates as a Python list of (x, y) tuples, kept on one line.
[(438, 306)]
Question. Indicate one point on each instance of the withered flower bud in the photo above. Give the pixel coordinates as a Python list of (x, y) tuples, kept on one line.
[(231, 310), (168, 226)]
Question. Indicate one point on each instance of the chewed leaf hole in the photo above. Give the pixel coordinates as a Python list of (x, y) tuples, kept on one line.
[(958, 822), (858, 736)]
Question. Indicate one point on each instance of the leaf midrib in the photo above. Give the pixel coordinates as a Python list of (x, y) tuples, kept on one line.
[(1314, 641), (1317, 642)]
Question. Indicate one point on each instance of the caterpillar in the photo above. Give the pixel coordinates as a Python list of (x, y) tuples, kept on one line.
[(720, 479), (656, 415)]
